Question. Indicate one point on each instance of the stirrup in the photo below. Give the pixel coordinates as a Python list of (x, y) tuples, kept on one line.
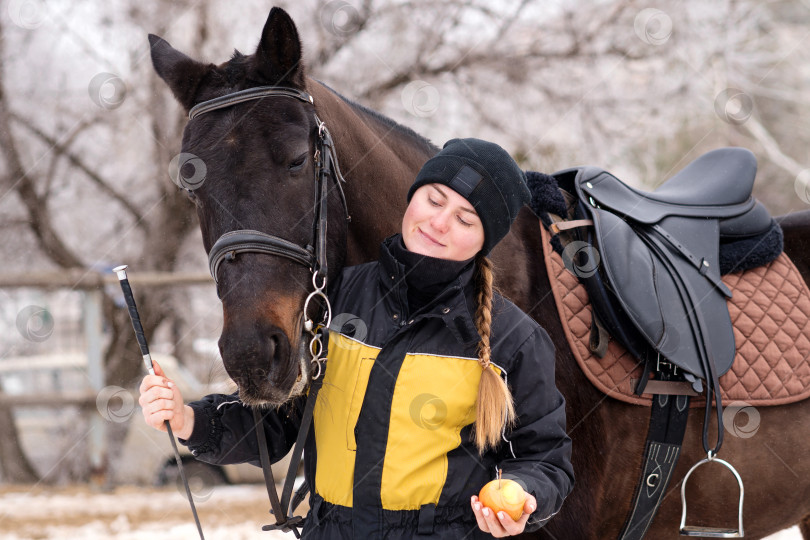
[(711, 532)]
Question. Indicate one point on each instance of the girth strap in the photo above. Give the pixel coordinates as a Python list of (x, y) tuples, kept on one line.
[(661, 451)]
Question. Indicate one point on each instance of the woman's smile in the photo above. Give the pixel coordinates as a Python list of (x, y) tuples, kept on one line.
[(429, 238)]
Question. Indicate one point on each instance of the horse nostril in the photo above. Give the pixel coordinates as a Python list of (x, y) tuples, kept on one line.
[(271, 363), (272, 355)]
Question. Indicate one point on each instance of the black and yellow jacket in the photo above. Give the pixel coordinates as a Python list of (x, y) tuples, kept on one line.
[(393, 453)]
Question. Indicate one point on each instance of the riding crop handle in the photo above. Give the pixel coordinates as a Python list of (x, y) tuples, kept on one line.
[(121, 272)]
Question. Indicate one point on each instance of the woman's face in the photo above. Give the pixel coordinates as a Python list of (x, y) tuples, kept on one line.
[(441, 223)]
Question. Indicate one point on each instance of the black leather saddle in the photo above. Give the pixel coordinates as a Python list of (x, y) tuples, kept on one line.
[(650, 260)]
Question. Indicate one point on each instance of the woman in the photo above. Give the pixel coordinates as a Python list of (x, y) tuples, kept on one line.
[(433, 385)]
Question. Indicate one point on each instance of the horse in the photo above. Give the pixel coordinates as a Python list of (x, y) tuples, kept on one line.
[(259, 165)]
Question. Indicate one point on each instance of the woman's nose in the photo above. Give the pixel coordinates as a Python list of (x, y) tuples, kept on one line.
[(440, 221)]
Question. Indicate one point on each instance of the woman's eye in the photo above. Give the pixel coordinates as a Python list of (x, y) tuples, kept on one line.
[(434, 203), (298, 163), (465, 223)]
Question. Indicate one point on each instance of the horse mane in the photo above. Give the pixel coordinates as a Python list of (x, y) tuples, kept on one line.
[(407, 132)]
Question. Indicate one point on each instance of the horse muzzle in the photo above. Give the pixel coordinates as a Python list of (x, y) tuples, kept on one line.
[(261, 364)]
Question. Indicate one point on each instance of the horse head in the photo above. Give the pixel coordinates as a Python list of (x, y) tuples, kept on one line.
[(251, 165)]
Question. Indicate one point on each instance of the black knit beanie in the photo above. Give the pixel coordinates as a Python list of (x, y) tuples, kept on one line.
[(486, 175)]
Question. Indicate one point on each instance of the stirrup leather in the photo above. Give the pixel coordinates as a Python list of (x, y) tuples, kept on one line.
[(711, 532)]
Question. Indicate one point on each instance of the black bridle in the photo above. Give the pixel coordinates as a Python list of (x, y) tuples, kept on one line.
[(313, 256), (232, 243)]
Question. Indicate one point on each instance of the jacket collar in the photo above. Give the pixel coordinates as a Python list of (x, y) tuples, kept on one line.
[(455, 304)]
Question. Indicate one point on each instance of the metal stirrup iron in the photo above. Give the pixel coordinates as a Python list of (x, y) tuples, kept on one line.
[(712, 532)]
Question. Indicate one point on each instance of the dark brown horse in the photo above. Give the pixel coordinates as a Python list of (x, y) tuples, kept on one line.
[(258, 158)]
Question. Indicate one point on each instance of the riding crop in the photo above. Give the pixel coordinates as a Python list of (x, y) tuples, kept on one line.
[(121, 272)]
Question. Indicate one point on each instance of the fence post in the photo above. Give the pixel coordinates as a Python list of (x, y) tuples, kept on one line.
[(93, 333)]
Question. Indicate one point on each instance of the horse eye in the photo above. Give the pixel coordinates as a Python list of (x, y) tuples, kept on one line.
[(298, 164)]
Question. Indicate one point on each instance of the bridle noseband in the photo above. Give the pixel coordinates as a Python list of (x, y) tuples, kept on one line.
[(313, 256), (232, 243)]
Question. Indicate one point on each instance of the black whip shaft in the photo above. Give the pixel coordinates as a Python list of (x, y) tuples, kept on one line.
[(121, 271)]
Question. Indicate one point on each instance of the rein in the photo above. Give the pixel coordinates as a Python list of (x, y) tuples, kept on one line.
[(313, 256)]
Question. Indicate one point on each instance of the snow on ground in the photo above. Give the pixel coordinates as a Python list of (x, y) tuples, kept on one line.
[(132, 513), (788, 534)]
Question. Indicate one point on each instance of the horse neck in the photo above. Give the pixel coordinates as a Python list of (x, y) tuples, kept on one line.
[(379, 163)]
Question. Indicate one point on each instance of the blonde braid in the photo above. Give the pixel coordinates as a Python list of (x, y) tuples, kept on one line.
[(495, 409)]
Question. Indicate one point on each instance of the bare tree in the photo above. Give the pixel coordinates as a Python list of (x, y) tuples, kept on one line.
[(635, 89), (158, 225)]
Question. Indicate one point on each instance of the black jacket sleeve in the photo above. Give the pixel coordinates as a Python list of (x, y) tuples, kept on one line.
[(224, 431), (538, 451)]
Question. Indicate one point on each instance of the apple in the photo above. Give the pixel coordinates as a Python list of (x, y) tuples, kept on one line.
[(505, 495)]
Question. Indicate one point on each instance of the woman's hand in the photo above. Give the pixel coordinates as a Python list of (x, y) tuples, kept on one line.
[(161, 400), (500, 524)]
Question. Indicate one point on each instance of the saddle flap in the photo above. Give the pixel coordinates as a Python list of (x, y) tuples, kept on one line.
[(620, 249), (660, 290)]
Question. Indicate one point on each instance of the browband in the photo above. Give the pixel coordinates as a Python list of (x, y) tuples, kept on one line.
[(247, 95)]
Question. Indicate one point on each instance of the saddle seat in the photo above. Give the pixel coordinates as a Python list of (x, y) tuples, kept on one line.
[(731, 170), (716, 185)]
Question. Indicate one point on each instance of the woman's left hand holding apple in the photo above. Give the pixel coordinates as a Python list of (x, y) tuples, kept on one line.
[(500, 524)]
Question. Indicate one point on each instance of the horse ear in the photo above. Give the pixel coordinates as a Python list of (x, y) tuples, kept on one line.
[(181, 73), (278, 57)]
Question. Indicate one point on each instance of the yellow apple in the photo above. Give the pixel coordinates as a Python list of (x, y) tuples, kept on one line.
[(504, 495)]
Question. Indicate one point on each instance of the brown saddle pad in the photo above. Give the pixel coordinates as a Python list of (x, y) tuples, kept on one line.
[(770, 310)]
